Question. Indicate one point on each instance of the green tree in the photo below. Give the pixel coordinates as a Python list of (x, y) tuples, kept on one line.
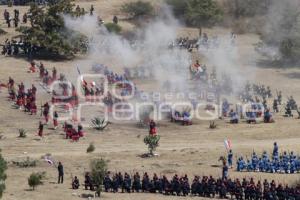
[(248, 8), (34, 180), (3, 167), (153, 142), (48, 32), (197, 13), (98, 169), (138, 9)]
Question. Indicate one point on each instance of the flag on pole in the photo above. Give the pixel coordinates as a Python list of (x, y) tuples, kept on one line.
[(48, 160), (227, 144)]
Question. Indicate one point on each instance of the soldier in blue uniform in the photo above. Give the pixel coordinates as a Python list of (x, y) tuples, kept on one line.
[(230, 158), (275, 150)]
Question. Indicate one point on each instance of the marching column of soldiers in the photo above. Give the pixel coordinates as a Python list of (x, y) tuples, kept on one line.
[(206, 186)]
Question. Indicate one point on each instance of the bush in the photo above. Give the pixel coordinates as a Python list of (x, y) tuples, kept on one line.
[(35, 179), (91, 148), (22, 133), (197, 13), (212, 125), (99, 124), (138, 9), (153, 142), (98, 169), (26, 163), (3, 167), (113, 28)]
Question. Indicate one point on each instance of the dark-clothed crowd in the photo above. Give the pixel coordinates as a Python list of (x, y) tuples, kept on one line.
[(206, 186)]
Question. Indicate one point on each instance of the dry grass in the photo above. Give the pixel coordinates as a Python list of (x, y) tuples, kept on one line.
[(192, 150)]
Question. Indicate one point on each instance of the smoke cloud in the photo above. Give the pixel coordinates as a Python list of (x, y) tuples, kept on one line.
[(149, 48)]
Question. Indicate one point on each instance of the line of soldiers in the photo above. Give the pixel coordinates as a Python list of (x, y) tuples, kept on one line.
[(265, 92), (251, 93), (205, 187), (285, 163)]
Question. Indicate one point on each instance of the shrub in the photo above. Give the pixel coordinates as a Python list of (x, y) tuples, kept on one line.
[(138, 9), (99, 124), (98, 169), (26, 163), (91, 148), (22, 133), (212, 125), (35, 179), (113, 28), (153, 142), (3, 167), (197, 13)]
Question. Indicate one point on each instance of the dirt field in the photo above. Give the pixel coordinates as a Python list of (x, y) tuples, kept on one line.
[(184, 150)]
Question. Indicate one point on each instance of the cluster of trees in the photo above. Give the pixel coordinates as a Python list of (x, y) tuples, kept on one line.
[(247, 8), (197, 13), (48, 32), (50, 36), (283, 28), (281, 23), (138, 9)]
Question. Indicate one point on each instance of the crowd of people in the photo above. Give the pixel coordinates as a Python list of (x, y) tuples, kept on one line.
[(13, 48), (256, 97), (206, 186), (202, 42), (141, 72), (22, 98), (72, 133), (287, 162)]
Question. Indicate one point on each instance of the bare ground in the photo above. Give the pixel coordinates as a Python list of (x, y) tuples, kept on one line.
[(191, 150)]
